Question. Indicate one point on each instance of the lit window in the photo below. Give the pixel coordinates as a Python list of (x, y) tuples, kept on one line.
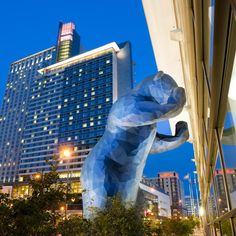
[(71, 118), (85, 95), (66, 100), (100, 72), (107, 99), (100, 106), (93, 93), (77, 106), (69, 139), (108, 61), (45, 128), (85, 104), (91, 123), (84, 125), (59, 107)]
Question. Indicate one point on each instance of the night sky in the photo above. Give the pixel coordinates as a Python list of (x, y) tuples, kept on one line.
[(30, 26)]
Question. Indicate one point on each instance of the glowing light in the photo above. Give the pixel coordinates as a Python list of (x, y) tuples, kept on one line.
[(37, 176), (201, 211), (66, 153), (62, 208)]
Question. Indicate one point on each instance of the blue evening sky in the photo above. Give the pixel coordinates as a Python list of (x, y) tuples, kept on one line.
[(29, 26)]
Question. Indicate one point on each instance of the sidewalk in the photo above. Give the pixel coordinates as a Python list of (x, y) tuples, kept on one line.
[(198, 232)]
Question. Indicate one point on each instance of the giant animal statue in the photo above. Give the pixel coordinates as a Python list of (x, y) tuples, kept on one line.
[(115, 165)]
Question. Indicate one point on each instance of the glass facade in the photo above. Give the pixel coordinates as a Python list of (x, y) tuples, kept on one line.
[(14, 110), (24, 88), (68, 43), (68, 108), (206, 50)]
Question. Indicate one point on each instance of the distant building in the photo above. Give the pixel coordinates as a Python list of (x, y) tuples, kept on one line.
[(153, 199), (170, 182), (191, 211), (220, 190), (68, 42)]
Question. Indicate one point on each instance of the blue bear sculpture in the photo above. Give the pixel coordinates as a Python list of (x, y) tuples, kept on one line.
[(116, 163)]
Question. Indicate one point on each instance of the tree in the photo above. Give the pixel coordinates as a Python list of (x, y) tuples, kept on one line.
[(6, 222), (118, 220), (178, 227), (74, 226)]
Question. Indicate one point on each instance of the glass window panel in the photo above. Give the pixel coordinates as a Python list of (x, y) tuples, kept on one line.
[(211, 205), (228, 139), (220, 188)]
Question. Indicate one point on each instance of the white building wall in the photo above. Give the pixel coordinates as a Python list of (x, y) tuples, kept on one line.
[(163, 200), (165, 37)]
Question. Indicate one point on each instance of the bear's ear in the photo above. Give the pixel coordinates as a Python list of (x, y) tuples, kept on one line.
[(158, 75)]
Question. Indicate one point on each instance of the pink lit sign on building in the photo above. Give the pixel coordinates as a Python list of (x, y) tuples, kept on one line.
[(67, 32)]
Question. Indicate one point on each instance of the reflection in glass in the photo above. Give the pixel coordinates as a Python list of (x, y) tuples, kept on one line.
[(220, 188), (229, 139)]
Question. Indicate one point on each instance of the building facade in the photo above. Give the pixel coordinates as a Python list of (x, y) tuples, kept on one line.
[(192, 209), (68, 41), (14, 110), (170, 182), (200, 36), (58, 100), (154, 201), (69, 105)]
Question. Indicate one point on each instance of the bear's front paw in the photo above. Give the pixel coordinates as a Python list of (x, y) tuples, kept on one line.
[(182, 129)]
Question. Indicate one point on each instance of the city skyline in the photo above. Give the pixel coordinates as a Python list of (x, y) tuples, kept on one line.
[(119, 30)]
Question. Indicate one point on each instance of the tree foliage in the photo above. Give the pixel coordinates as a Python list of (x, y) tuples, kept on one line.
[(39, 215), (118, 220)]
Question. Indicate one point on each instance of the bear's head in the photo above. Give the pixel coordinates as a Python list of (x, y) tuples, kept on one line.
[(162, 89)]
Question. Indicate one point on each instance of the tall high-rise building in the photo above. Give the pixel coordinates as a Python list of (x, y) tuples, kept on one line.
[(18, 94), (220, 190), (68, 42), (170, 182), (14, 109), (192, 209), (68, 107)]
